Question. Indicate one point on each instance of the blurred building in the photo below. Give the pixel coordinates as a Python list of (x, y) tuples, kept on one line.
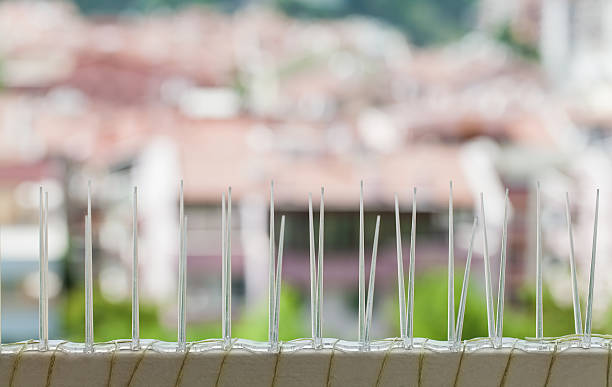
[(19, 217)]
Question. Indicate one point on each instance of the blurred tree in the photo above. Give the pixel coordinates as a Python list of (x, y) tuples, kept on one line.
[(506, 36), (430, 314), (423, 21), (254, 323), (112, 320), (117, 6)]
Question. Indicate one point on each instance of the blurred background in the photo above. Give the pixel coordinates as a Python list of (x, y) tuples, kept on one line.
[(399, 93)]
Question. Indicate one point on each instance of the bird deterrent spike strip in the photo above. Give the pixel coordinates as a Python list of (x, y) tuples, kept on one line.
[(365, 317)]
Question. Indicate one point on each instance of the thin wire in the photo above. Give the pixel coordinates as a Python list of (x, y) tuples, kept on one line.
[(410, 308), (575, 296), (370, 304), (135, 300), (400, 273), (589, 312), (464, 287), (539, 308), (451, 269), (487, 271), (361, 270), (499, 323)]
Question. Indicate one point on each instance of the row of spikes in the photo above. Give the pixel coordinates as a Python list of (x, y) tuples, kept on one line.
[(406, 307)]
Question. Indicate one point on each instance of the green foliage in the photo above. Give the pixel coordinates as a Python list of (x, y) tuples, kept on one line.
[(254, 324), (430, 311), (424, 21), (526, 50), (112, 320), (116, 6)]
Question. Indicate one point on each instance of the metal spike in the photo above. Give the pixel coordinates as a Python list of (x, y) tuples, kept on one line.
[(370, 304), (320, 269), (400, 273), (277, 292), (487, 272), (182, 318), (42, 274), (313, 272), (589, 312), (88, 288), (135, 301), (89, 216), (539, 308), (223, 266), (499, 323), (227, 273), (272, 266), (89, 329), (451, 270), (410, 311), (575, 295), (464, 287), (361, 270), (182, 285)]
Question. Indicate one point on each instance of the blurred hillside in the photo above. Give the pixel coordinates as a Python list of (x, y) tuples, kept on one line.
[(424, 21)]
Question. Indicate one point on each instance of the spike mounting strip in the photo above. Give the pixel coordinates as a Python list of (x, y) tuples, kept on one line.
[(583, 337)]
